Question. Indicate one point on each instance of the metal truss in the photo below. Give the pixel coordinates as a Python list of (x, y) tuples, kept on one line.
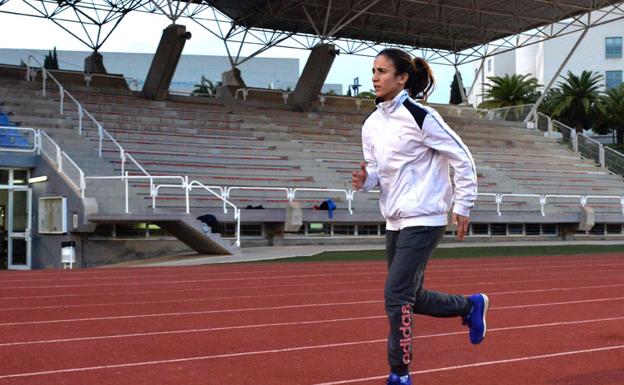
[(495, 26), (90, 21)]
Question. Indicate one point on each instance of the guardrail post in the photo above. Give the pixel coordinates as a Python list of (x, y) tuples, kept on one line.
[(574, 135), (44, 75), (122, 156), (127, 198), (80, 115), (601, 155), (237, 216), (550, 124), (542, 204), (62, 94), (225, 193), (499, 200), (152, 193), (350, 196), (322, 99), (38, 141), (187, 189), (100, 134)]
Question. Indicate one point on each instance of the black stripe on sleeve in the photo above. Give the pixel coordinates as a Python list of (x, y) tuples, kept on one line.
[(417, 112)]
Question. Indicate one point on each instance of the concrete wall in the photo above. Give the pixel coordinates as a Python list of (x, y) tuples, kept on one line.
[(46, 248)]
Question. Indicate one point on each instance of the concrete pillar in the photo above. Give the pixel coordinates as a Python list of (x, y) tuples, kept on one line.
[(314, 74), (94, 64), (165, 61), (230, 81)]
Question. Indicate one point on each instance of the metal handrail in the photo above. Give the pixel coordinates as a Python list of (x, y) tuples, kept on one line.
[(358, 101), (245, 92), (102, 133), (27, 129)]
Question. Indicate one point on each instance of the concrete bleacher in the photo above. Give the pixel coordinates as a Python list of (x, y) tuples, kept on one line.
[(250, 144)]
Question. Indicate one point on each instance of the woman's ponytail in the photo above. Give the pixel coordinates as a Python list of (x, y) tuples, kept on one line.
[(420, 82)]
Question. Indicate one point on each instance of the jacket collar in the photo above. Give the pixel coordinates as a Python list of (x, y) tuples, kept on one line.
[(391, 105)]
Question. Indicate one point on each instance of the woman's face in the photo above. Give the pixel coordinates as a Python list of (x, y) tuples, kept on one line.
[(386, 81)]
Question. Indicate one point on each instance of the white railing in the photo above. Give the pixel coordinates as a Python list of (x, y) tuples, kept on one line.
[(512, 113), (14, 137), (245, 92), (42, 144), (82, 112), (76, 176), (184, 185), (580, 143), (358, 101), (31, 74)]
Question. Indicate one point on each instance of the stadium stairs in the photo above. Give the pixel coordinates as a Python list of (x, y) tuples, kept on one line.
[(260, 143), (27, 108)]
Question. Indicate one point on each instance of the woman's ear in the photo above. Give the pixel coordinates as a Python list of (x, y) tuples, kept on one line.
[(403, 79)]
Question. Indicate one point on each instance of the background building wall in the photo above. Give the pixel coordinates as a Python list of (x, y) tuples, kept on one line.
[(257, 72)]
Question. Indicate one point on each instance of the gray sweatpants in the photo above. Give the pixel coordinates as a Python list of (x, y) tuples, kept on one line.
[(408, 252)]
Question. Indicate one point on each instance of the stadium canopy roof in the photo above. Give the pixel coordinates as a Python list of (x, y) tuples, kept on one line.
[(442, 31), (451, 25)]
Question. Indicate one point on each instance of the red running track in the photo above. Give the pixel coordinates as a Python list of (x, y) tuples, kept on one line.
[(555, 320)]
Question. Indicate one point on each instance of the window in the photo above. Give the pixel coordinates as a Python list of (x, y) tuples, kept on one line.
[(533, 229), (598, 229), (498, 229), (613, 47), (368, 229), (344, 229), (614, 229), (489, 65), (613, 79), (515, 229), (549, 229), (480, 229)]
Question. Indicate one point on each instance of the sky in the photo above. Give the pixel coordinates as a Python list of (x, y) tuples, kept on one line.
[(140, 33)]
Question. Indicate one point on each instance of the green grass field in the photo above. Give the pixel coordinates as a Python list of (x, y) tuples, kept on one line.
[(466, 252)]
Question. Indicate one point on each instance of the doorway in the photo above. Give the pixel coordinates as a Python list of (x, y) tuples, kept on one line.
[(15, 220)]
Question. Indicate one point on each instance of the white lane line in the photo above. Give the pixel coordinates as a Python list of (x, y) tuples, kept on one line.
[(376, 290), (532, 261), (299, 306), (483, 363), (315, 284), (211, 281), (296, 323), (299, 348), (254, 274), (176, 314)]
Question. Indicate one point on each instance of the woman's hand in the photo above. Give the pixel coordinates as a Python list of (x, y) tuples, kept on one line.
[(359, 177), (462, 225)]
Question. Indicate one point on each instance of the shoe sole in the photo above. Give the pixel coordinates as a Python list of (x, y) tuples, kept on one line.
[(486, 305)]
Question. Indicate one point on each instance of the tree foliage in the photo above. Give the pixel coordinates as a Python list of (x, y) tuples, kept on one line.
[(455, 92), (575, 99), (50, 61), (205, 87), (514, 90)]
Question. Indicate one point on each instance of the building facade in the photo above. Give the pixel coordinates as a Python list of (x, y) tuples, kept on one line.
[(599, 51), (260, 72)]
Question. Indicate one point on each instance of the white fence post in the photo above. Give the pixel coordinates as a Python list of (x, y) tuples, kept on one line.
[(601, 155)]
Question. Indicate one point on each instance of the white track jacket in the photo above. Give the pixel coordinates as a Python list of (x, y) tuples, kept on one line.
[(408, 149)]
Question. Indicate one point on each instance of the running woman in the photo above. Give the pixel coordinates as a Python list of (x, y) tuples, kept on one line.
[(408, 149)]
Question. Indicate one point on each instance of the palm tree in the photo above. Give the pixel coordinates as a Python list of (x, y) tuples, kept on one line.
[(511, 90), (575, 99), (611, 111), (205, 87)]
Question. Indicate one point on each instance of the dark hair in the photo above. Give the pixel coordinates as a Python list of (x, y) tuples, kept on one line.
[(420, 81)]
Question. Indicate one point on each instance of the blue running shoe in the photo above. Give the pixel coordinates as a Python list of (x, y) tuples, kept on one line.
[(393, 379), (476, 319)]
